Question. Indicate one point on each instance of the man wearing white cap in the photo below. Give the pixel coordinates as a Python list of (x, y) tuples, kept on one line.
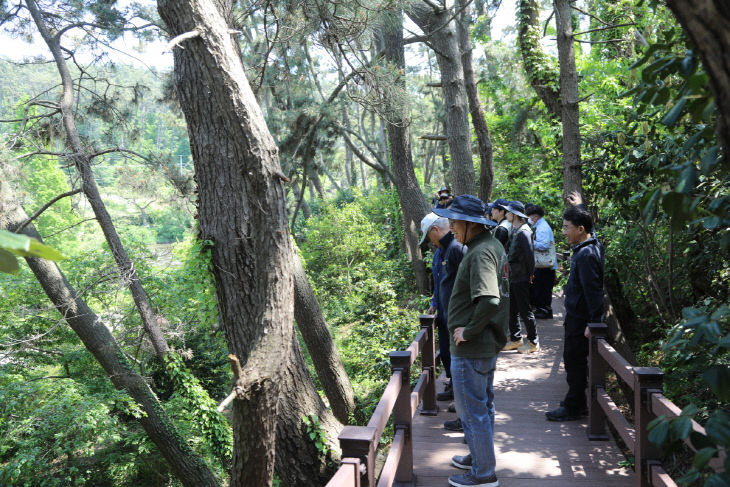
[(446, 260)]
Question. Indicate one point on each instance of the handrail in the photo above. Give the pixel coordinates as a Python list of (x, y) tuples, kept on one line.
[(385, 406), (649, 402), (360, 442), (619, 364)]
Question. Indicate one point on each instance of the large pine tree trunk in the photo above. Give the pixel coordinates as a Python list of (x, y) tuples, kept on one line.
[(412, 203), (242, 211), (438, 27), (298, 461), (572, 176), (543, 77), (190, 469), (313, 327), (484, 142), (707, 22)]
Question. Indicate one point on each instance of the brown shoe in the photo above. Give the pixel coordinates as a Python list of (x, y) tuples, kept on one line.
[(512, 345), (529, 347)]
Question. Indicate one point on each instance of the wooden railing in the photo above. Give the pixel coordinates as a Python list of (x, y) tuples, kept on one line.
[(649, 403), (359, 443)]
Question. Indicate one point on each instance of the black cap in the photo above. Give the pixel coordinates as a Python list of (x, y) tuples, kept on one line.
[(517, 208), (500, 203), (468, 208)]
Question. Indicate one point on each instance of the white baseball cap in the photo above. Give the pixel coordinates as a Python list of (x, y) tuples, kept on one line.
[(426, 225)]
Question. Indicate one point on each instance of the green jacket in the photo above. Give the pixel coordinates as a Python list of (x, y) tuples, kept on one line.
[(484, 272)]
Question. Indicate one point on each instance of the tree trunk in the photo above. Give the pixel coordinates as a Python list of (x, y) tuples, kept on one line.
[(707, 22), (190, 469), (438, 27), (543, 76), (298, 461), (314, 178), (484, 142), (572, 176), (321, 346), (306, 211), (242, 211), (82, 161), (413, 206)]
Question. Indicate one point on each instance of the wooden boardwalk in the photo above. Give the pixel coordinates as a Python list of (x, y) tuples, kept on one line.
[(530, 450)]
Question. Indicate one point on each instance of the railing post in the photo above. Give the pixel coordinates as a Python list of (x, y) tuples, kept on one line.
[(428, 362), (402, 416), (359, 442), (646, 381), (355, 462), (597, 369)]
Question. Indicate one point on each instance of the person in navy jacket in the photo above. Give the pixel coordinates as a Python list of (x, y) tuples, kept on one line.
[(446, 260)]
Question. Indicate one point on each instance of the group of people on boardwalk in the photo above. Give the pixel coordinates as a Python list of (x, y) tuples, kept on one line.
[(494, 266)]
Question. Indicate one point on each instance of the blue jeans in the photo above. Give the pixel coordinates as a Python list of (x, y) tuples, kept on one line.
[(473, 382)]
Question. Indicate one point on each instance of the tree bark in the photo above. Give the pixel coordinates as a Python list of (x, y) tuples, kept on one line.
[(707, 22), (572, 176), (438, 27), (484, 142), (298, 461), (543, 76), (412, 203), (190, 469), (81, 160), (242, 211), (321, 346)]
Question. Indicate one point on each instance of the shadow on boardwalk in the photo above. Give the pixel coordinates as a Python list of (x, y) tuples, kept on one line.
[(530, 450)]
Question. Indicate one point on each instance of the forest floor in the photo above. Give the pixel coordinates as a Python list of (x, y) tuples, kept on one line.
[(530, 450)]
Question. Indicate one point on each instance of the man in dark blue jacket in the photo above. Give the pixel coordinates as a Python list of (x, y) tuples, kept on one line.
[(583, 305), (445, 264)]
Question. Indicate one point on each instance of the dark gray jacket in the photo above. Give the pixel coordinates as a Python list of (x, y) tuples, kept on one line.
[(521, 255)]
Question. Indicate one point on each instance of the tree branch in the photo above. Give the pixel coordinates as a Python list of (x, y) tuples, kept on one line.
[(45, 207), (178, 39), (435, 6), (588, 14), (597, 29)]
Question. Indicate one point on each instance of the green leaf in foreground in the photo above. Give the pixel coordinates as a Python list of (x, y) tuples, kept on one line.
[(25, 246)]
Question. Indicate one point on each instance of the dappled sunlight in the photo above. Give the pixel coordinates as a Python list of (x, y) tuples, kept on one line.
[(527, 446)]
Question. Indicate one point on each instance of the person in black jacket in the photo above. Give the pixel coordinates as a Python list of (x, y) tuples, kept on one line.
[(583, 305), (522, 266), (503, 231)]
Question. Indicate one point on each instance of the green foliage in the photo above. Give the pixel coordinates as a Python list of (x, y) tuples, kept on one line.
[(58, 431), (193, 403), (316, 433), (352, 252), (698, 347)]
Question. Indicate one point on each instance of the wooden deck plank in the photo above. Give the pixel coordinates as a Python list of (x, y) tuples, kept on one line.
[(530, 450)]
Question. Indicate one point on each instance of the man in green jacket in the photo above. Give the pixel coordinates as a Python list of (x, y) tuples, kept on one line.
[(478, 327)]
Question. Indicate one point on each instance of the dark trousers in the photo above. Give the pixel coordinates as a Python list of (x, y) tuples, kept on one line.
[(575, 359), (542, 289), (519, 304), (445, 354)]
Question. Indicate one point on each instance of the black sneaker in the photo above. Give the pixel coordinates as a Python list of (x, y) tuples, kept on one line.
[(564, 414), (452, 408), (468, 480), (582, 411), (462, 462), (447, 395), (544, 314), (453, 425)]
